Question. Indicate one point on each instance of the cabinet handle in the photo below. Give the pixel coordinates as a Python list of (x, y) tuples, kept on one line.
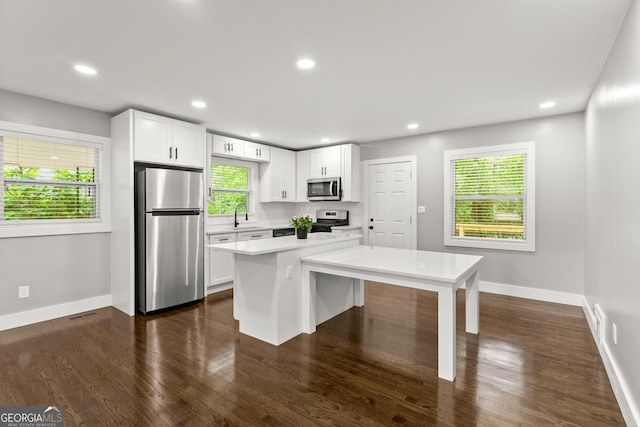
[(226, 146), (176, 153), (260, 151), (285, 194), (255, 236), (257, 153), (230, 147), (170, 153), (224, 240), (209, 192)]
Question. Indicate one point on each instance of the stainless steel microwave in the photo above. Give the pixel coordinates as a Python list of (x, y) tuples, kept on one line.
[(319, 189)]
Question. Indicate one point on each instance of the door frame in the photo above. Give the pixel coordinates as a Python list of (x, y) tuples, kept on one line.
[(413, 161)]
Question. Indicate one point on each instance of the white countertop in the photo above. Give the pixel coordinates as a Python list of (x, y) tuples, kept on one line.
[(278, 244), (441, 266), (242, 228)]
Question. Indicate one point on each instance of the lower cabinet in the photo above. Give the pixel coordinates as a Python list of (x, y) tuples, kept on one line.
[(221, 264)]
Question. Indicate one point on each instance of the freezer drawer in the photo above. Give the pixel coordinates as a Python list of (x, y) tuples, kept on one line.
[(174, 262)]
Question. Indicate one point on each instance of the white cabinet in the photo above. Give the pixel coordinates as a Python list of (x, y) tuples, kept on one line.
[(302, 175), (225, 146), (350, 172), (189, 144), (255, 235), (321, 163), (256, 152), (278, 177), (221, 264), (325, 162), (162, 140)]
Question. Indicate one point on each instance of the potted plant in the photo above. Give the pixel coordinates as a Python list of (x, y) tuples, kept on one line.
[(302, 224)]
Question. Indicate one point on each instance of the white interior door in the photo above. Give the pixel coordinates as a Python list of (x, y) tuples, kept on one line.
[(391, 200)]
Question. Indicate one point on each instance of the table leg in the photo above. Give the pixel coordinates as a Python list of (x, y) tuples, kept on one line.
[(308, 300), (358, 292), (447, 334), (472, 304)]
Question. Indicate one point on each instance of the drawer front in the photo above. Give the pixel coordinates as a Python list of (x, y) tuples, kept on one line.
[(221, 238), (255, 235)]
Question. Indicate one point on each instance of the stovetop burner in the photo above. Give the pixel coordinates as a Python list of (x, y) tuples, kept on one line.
[(327, 219)]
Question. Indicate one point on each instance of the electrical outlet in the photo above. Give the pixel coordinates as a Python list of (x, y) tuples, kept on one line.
[(614, 333), (422, 209), (289, 272), (23, 292)]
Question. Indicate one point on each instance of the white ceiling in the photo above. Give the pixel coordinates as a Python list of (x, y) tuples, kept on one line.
[(381, 64)]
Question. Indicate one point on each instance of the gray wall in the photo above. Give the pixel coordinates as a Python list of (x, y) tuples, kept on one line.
[(612, 244), (58, 269), (557, 263), (29, 110)]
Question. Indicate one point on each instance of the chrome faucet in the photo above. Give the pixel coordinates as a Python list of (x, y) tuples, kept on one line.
[(235, 214)]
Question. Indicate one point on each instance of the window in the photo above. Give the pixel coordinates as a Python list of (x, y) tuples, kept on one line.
[(232, 184), (52, 182), (490, 197)]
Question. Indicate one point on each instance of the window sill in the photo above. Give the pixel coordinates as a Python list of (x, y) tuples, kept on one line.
[(512, 245), (51, 230)]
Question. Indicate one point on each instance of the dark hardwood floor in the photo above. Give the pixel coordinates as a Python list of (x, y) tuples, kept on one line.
[(533, 364)]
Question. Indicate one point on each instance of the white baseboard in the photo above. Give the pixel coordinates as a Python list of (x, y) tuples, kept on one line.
[(532, 293), (630, 411), (219, 288), (23, 318)]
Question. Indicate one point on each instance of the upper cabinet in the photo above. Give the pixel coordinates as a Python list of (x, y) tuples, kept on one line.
[(278, 177), (350, 172), (224, 146), (257, 152), (162, 140), (325, 162)]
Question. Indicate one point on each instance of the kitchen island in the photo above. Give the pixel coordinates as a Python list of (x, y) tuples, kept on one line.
[(267, 298)]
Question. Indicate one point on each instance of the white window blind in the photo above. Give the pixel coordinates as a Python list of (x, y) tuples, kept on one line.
[(490, 197), (230, 188), (49, 181)]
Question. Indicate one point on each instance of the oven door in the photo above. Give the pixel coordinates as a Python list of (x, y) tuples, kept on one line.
[(319, 189)]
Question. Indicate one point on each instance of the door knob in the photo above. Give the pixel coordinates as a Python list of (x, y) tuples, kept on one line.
[(371, 227)]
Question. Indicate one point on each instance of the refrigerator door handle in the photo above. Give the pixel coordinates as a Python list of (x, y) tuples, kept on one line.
[(174, 212)]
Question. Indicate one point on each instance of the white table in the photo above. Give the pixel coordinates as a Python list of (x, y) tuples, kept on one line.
[(440, 272)]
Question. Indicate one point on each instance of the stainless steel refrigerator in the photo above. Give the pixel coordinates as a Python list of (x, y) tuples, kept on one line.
[(169, 238)]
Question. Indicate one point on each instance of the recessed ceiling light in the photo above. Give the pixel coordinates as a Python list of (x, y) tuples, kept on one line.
[(412, 126), (85, 69), (199, 104), (306, 63), (548, 104), (325, 140), (255, 134)]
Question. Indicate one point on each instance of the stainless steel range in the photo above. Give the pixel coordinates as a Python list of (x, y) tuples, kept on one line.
[(327, 219)]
